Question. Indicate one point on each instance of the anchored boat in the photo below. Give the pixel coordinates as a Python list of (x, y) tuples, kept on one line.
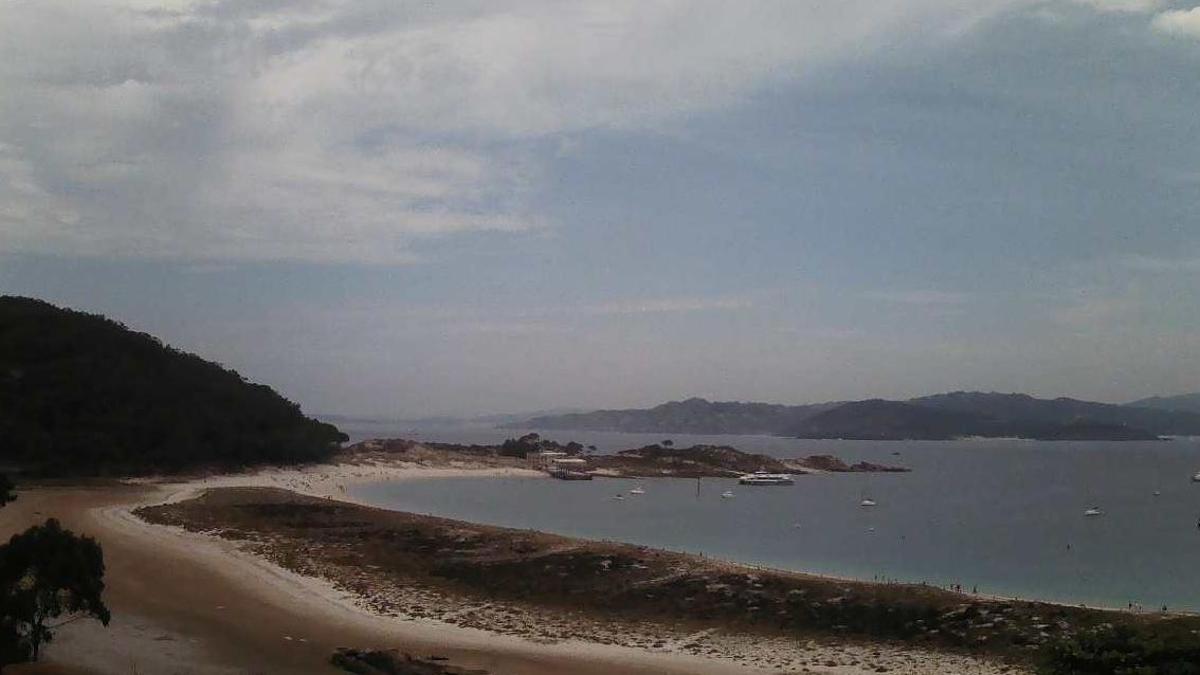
[(764, 478)]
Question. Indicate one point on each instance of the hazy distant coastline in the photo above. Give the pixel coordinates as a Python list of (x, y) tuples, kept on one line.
[(947, 416)]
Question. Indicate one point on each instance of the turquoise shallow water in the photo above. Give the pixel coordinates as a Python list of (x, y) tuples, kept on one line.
[(1005, 516)]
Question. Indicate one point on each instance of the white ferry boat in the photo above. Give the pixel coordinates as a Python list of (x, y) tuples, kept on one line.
[(764, 478)]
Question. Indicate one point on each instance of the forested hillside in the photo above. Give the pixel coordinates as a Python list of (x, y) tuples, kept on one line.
[(81, 394)]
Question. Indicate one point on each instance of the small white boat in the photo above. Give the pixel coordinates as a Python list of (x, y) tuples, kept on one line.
[(1094, 511), (618, 497), (764, 478), (1157, 493), (867, 502), (1196, 477), (637, 491), (728, 494)]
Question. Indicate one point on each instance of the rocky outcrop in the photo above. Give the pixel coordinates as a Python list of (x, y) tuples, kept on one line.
[(835, 465)]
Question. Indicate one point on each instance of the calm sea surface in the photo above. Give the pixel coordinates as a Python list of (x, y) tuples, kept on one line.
[(1003, 515)]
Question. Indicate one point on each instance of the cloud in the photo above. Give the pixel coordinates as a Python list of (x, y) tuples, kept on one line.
[(929, 298), (1142, 263), (667, 305), (339, 131), (346, 131), (474, 314), (1083, 310), (1181, 22), (1121, 5)]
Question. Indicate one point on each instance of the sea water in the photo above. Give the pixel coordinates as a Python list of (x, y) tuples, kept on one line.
[(1005, 517)]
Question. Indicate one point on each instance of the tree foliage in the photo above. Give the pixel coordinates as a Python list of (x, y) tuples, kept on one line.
[(80, 394), (48, 577), (521, 447), (532, 443), (7, 493)]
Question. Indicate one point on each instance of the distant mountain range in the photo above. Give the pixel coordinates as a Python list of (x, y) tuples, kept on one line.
[(938, 417), (1181, 403), (695, 415), (445, 421)]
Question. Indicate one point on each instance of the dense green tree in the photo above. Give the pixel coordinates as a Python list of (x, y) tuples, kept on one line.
[(48, 577), (523, 446), (11, 648)]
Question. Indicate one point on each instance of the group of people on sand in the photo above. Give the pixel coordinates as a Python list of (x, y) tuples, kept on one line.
[(954, 588), (1137, 607)]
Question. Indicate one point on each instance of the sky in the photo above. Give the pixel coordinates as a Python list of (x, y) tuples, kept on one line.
[(407, 209)]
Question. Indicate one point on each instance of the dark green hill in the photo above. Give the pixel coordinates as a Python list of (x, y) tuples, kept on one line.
[(878, 419), (81, 394), (943, 416), (912, 420), (1025, 415)]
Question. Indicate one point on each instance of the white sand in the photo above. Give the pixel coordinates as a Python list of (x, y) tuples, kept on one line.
[(659, 648), (333, 480)]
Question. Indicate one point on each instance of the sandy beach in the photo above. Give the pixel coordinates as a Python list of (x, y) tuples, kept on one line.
[(191, 603)]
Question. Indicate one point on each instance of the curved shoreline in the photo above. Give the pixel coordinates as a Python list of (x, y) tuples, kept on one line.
[(400, 472), (314, 605), (181, 599), (328, 480)]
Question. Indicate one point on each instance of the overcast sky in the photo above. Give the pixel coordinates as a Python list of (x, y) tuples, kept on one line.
[(388, 208)]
